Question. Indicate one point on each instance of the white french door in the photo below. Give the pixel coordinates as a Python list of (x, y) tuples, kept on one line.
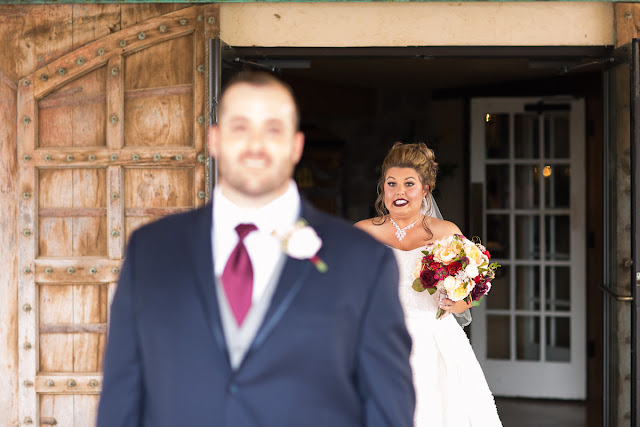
[(527, 154)]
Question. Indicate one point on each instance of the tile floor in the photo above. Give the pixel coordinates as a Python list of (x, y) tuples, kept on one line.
[(542, 413)]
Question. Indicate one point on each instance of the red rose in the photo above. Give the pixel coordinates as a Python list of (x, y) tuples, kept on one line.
[(454, 267), (434, 265), (478, 278), (427, 278), (487, 254)]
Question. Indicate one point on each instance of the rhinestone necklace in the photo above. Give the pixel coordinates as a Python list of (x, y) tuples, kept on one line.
[(401, 232)]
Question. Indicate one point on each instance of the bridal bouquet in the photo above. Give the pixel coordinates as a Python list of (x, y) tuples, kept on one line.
[(456, 267)]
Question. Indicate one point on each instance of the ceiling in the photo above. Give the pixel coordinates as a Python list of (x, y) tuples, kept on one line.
[(424, 69)]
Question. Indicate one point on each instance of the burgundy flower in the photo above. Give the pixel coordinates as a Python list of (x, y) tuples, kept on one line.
[(427, 278), (479, 290), (454, 267)]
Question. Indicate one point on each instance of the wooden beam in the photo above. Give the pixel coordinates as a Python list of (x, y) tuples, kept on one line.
[(8, 252), (98, 53), (94, 328), (627, 22), (69, 384)]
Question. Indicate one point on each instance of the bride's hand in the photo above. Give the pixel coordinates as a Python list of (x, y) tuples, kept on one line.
[(452, 306)]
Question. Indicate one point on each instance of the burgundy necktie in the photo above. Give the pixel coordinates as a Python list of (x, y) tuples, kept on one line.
[(237, 277)]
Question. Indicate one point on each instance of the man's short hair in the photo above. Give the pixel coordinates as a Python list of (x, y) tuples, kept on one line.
[(260, 78)]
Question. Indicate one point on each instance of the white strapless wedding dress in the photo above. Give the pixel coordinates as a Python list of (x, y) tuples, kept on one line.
[(451, 390)]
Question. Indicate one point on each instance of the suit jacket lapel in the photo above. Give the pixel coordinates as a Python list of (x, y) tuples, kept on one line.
[(292, 278), (204, 268)]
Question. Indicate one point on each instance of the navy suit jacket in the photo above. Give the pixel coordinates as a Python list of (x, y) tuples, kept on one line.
[(332, 350)]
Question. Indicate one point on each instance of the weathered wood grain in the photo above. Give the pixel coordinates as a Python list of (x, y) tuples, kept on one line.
[(86, 383), (115, 219), (155, 212), (72, 212), (115, 103), (134, 14), (54, 303), (96, 54), (165, 121), (8, 251), (74, 329), (26, 217), (152, 187), (62, 271), (200, 107), (134, 156), (90, 180), (58, 407), (55, 353), (627, 17), (85, 407), (75, 114), (45, 34), (94, 21)]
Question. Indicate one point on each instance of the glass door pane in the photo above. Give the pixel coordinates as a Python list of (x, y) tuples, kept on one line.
[(532, 325)]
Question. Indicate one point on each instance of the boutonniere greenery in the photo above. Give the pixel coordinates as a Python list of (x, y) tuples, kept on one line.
[(302, 242)]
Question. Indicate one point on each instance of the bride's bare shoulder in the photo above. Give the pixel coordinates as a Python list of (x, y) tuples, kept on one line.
[(371, 226), (366, 225), (441, 228)]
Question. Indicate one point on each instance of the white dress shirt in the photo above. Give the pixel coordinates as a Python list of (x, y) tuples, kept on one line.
[(264, 249)]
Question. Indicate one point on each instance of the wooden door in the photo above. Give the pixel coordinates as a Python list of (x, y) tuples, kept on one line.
[(111, 136)]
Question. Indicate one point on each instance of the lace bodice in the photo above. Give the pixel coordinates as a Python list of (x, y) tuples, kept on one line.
[(415, 304)]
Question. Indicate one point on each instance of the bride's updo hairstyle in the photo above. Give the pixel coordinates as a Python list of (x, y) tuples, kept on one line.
[(417, 156)]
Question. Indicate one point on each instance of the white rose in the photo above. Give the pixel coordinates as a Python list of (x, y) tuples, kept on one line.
[(471, 270), (303, 243), (450, 284)]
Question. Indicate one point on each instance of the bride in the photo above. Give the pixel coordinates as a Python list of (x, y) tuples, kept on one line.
[(451, 390)]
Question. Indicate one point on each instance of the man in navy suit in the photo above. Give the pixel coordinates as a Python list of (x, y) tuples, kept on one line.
[(257, 310)]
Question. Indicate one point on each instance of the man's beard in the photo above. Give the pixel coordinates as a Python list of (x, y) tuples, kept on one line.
[(258, 186)]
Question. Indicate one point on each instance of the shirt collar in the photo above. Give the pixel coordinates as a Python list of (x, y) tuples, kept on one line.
[(279, 214)]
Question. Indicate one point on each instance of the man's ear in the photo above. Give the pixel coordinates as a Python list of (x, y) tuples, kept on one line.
[(298, 146), (213, 140)]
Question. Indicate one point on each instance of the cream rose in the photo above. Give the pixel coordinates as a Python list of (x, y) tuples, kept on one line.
[(473, 253), (418, 269), (456, 289), (303, 243), (446, 255), (457, 245)]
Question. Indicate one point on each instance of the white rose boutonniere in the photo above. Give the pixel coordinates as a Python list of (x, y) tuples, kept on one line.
[(302, 242)]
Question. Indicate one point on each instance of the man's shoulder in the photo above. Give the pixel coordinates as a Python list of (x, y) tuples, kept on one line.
[(178, 223)]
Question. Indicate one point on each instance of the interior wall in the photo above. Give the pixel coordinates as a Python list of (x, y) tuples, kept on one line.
[(363, 123), (335, 24), (450, 145)]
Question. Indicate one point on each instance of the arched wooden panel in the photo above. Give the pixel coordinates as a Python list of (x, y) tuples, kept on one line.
[(111, 136)]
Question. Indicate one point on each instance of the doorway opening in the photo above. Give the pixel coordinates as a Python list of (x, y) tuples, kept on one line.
[(356, 102)]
